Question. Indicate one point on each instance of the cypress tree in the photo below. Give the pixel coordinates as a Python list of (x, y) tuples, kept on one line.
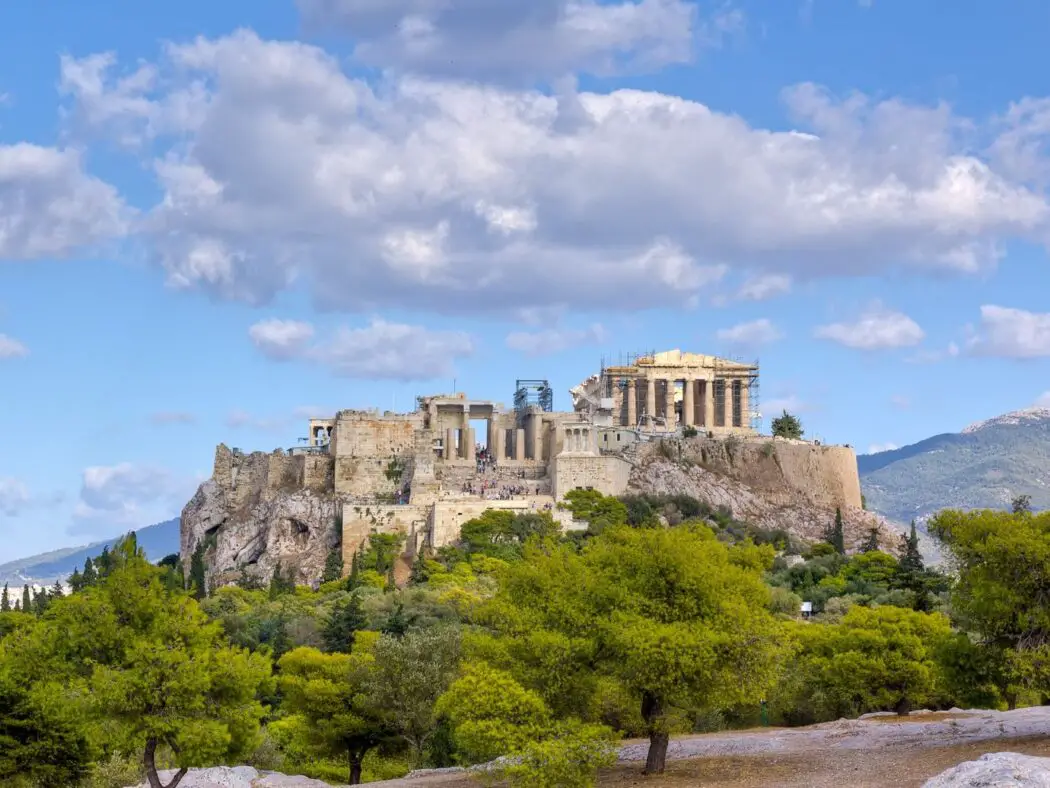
[(5, 600), (56, 590), (353, 580), (198, 578), (835, 535), (27, 599), (90, 573), (397, 624), (391, 583), (40, 601), (346, 619), (420, 573), (76, 582), (333, 566), (911, 562), (873, 541)]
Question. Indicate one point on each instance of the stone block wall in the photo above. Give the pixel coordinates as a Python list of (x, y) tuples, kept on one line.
[(359, 520), (607, 474)]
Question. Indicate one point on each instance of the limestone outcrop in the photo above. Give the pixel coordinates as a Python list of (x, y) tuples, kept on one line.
[(238, 777), (996, 770), (257, 511), (774, 484)]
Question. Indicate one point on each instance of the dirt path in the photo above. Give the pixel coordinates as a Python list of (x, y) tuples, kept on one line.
[(877, 752)]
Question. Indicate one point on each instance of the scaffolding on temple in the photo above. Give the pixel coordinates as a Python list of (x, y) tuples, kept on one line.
[(754, 414), (530, 393)]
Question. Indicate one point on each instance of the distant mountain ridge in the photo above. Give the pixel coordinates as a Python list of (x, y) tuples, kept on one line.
[(44, 569), (986, 465)]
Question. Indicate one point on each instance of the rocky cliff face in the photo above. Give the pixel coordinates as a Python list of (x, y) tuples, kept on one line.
[(773, 484), (259, 510)]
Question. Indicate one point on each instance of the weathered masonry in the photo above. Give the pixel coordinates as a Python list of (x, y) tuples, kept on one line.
[(426, 472)]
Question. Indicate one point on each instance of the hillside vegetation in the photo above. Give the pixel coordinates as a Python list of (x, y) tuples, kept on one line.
[(986, 465), (664, 616)]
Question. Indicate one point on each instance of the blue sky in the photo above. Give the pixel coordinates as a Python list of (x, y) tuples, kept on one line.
[(219, 218)]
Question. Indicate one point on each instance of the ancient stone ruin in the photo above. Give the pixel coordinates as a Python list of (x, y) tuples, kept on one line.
[(424, 473)]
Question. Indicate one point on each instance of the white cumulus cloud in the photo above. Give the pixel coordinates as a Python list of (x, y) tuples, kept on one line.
[(877, 328), (1011, 333), (128, 495), (417, 192), (756, 332), (49, 206), (12, 348), (382, 350), (554, 340)]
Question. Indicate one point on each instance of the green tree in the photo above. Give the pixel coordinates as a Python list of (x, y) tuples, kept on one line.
[(599, 511), (90, 573), (333, 566), (5, 600), (420, 570), (27, 599), (42, 740), (40, 601), (381, 552), (875, 659), (280, 582), (910, 558), (1021, 504), (872, 544), (329, 691), (679, 620), (835, 535), (198, 575), (1003, 565), (156, 667), (397, 625), (787, 426), (76, 581), (345, 621), (410, 674)]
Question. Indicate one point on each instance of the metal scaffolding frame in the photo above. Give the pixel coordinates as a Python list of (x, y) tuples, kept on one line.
[(529, 393)]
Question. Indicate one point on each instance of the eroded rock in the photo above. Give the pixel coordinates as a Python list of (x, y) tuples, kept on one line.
[(996, 770)]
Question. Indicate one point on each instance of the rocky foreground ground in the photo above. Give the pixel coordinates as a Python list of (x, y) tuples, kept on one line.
[(872, 752)]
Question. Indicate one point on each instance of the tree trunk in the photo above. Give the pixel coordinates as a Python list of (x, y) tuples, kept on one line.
[(1011, 700), (903, 707), (355, 767), (652, 712), (149, 760)]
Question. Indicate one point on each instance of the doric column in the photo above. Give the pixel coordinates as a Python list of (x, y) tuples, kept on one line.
[(709, 403), (450, 443), (729, 402), (499, 450), (519, 444), (466, 417), (745, 417), (632, 404), (469, 441), (650, 398), (669, 405), (688, 404)]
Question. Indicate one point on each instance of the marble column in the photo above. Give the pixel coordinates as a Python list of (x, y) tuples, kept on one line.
[(519, 444), (729, 402), (499, 449), (688, 403), (709, 404), (632, 404), (650, 399), (669, 413), (469, 441), (450, 443), (745, 404)]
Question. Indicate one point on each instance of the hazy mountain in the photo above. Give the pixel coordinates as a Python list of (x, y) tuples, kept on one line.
[(157, 540), (984, 466)]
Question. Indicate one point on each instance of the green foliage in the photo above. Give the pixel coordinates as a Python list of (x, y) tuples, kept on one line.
[(646, 608), (875, 659), (599, 511), (872, 543), (327, 695), (835, 535), (491, 714), (198, 583), (689, 431), (381, 553), (501, 533), (333, 566), (5, 600), (410, 674), (346, 619), (569, 757), (787, 426), (148, 662)]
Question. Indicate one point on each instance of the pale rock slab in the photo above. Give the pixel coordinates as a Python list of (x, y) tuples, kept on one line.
[(996, 770)]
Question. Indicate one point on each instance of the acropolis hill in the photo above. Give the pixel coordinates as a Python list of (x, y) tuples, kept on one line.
[(423, 474)]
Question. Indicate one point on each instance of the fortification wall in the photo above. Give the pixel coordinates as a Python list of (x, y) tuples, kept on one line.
[(448, 516), (359, 520), (245, 479), (606, 473)]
